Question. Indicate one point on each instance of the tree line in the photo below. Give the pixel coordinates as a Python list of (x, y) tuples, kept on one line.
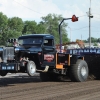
[(15, 27), (93, 40)]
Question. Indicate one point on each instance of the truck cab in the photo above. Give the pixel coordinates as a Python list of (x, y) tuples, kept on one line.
[(40, 47)]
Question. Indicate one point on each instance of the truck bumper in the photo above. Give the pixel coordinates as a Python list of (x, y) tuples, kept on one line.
[(9, 67)]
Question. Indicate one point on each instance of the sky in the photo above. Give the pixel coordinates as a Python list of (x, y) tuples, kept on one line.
[(33, 10)]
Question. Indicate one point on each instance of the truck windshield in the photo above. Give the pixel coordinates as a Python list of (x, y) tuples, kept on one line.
[(32, 40)]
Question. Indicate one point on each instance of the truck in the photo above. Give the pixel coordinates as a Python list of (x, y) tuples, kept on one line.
[(37, 53), (33, 53)]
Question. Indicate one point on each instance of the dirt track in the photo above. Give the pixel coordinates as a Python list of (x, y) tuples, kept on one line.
[(31, 88)]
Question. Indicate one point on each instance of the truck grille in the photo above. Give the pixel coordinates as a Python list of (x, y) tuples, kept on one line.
[(8, 53)]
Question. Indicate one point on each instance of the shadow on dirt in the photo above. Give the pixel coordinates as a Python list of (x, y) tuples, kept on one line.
[(11, 80), (15, 79)]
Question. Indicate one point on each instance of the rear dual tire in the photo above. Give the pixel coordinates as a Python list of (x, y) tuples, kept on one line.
[(79, 72)]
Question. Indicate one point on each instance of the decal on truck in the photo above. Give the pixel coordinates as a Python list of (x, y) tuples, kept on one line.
[(78, 51), (48, 57)]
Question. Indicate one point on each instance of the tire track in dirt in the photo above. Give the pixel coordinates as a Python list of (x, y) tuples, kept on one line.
[(26, 88), (50, 90)]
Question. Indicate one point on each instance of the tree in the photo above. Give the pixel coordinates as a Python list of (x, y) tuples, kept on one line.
[(92, 39), (3, 28), (9, 28), (98, 40), (15, 25), (30, 27), (95, 44), (51, 23), (40, 28)]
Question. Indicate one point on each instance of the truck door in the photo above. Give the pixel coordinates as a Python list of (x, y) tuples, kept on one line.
[(49, 53)]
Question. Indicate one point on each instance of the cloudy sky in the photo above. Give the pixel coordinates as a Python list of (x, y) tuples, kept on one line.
[(35, 9)]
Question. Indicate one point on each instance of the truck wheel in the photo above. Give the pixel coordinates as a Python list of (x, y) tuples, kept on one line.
[(3, 73), (79, 72), (31, 68)]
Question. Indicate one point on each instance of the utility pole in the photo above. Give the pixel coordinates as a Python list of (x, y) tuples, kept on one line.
[(81, 37), (70, 34), (89, 28), (90, 16)]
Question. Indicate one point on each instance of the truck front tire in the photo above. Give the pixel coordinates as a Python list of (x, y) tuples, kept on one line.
[(79, 72), (31, 68), (3, 73)]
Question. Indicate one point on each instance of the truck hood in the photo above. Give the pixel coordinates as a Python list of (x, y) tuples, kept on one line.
[(31, 49), (35, 49)]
